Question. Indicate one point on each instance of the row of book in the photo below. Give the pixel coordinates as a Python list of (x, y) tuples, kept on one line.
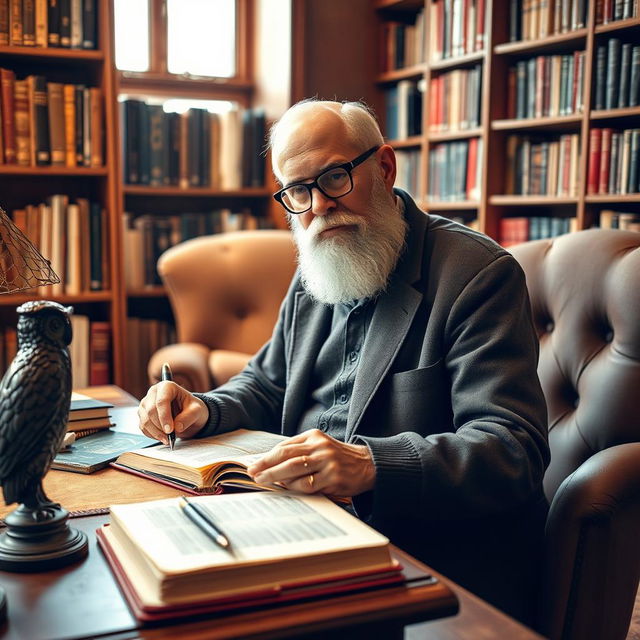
[(612, 10), (73, 236), (192, 149), (455, 170), (89, 350), (408, 171), (543, 167), (628, 221), (147, 237), (617, 75), (456, 28), (455, 100), (144, 337), (402, 45), (546, 86), (49, 23), (403, 109), (49, 123), (522, 229), (613, 161), (533, 19)]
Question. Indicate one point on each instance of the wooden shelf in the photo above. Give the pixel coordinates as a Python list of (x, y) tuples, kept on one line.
[(406, 73), (463, 134), (460, 205), (618, 25), (531, 201), (460, 61), (12, 169), (197, 192), (95, 55), (556, 122), (407, 143), (83, 298), (399, 5), (569, 39), (608, 114), (613, 198), (148, 292)]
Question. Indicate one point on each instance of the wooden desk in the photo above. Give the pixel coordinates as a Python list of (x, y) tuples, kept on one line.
[(63, 597)]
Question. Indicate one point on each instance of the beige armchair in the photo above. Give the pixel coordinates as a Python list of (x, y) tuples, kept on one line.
[(225, 291)]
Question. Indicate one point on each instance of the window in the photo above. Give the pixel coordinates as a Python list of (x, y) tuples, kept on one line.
[(185, 38)]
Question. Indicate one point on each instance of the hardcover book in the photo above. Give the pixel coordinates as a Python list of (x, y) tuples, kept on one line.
[(278, 543)]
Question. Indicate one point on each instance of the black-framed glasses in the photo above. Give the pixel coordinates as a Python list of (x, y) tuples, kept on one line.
[(332, 183)]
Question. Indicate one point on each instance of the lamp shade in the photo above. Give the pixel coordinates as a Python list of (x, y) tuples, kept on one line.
[(21, 264)]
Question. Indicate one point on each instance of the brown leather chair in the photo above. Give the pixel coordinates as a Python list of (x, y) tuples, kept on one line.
[(225, 291), (585, 295)]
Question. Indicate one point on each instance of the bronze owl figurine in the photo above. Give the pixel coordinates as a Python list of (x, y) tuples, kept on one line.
[(35, 394)]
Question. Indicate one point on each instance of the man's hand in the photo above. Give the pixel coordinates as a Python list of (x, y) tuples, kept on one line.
[(313, 462), (155, 416)]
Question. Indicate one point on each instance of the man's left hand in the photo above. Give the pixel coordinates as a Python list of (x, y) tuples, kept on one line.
[(313, 462)]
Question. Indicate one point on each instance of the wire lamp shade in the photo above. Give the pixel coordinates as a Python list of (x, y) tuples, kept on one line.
[(21, 264)]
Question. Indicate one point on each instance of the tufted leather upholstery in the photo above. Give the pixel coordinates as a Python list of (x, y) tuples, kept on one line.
[(225, 292), (585, 295)]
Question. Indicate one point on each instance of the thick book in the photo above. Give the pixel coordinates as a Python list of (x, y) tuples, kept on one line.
[(83, 407), (205, 464), (7, 100), (39, 120), (278, 543), (97, 450)]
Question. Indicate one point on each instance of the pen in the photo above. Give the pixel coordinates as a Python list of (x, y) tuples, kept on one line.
[(167, 375), (203, 521)]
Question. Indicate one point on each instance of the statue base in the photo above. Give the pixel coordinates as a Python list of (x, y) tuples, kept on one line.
[(40, 539)]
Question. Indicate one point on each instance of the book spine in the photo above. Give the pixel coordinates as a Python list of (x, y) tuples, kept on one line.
[(53, 23), (40, 121), (193, 146), (129, 110), (625, 72), (86, 127), (78, 97), (634, 83), (96, 131), (28, 23), (632, 185), (89, 25), (76, 24), (99, 353), (7, 87), (69, 110), (613, 73), (22, 120), (605, 160), (5, 29), (614, 164), (15, 12), (600, 77), (41, 23), (95, 247), (65, 22), (156, 117)]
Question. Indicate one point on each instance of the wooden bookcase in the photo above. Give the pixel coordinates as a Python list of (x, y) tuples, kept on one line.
[(493, 204), (20, 185)]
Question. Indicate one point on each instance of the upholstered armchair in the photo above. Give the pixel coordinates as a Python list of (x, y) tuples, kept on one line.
[(225, 291), (585, 295)]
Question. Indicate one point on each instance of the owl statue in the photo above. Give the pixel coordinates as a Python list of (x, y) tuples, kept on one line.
[(35, 394)]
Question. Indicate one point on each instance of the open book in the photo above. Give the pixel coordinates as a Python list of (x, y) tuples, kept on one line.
[(204, 465), (279, 542)]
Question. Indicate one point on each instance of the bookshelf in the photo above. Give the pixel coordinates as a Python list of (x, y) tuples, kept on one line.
[(36, 180), (555, 128)]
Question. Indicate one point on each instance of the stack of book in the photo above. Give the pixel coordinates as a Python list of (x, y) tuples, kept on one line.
[(455, 100), (533, 19), (403, 110), (456, 28), (522, 229), (617, 76), (454, 170), (627, 221), (402, 44), (610, 11), (87, 415), (614, 161), (50, 123)]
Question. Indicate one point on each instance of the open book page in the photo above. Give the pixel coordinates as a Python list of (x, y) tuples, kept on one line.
[(242, 445), (267, 529)]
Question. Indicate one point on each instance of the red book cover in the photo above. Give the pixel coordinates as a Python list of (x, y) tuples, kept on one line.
[(480, 21), (605, 160), (472, 168), (593, 175), (7, 82), (99, 349)]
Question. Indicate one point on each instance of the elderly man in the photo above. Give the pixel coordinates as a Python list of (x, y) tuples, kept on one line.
[(403, 365)]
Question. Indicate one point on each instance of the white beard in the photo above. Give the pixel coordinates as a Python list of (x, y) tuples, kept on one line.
[(352, 264)]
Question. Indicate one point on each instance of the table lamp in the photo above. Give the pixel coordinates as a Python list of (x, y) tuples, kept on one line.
[(35, 394)]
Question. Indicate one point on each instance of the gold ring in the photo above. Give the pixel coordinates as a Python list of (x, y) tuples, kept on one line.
[(304, 461), (310, 476)]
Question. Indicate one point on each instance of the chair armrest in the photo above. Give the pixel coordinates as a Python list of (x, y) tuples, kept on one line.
[(592, 556), (189, 365)]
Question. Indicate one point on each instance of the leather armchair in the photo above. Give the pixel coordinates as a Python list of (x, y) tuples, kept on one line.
[(225, 291), (585, 295)]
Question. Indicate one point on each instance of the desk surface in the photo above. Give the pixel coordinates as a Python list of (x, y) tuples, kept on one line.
[(78, 492)]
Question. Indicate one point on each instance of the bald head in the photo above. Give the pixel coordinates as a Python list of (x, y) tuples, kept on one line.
[(314, 125)]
